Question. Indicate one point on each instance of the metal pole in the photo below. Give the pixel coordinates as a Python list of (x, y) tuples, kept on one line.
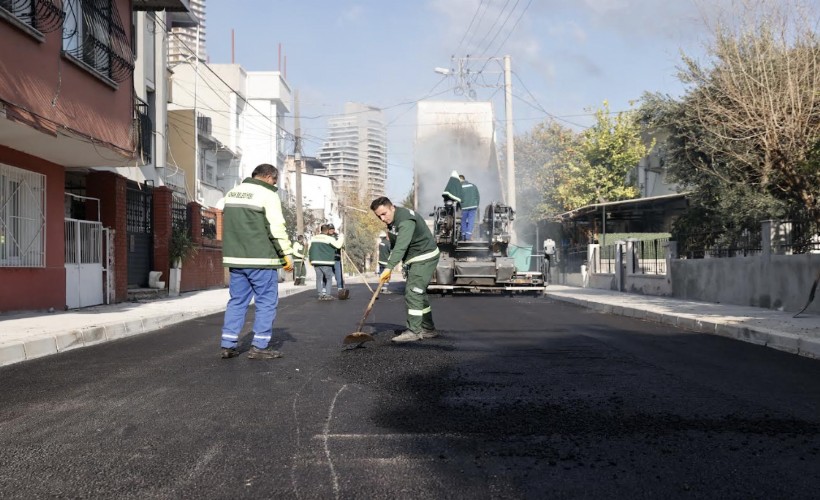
[(510, 140), (297, 161), (196, 120)]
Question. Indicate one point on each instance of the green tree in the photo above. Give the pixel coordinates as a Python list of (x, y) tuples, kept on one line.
[(755, 102), (745, 137), (289, 213), (607, 152), (539, 156), (361, 230)]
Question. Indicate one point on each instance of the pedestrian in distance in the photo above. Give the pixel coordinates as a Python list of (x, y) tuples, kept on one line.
[(412, 243), (299, 271), (255, 245), (470, 200), (384, 254), (337, 258), (549, 255), (321, 256)]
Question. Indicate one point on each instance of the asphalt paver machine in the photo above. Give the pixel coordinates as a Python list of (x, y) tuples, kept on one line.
[(479, 265)]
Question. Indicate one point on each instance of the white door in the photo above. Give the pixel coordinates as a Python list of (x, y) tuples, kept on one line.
[(83, 263)]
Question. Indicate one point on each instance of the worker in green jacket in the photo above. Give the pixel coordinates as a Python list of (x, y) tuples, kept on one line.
[(470, 200), (255, 245), (384, 254), (411, 242), (321, 253)]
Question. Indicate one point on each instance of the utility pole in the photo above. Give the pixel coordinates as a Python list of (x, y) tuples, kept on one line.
[(510, 138), (297, 162)]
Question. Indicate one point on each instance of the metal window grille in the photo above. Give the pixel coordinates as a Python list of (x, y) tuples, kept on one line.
[(93, 33), (145, 128), (22, 218), (43, 15)]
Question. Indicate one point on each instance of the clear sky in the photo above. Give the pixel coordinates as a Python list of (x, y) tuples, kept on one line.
[(568, 56)]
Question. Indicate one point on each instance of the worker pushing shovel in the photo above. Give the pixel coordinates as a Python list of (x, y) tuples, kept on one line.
[(411, 242)]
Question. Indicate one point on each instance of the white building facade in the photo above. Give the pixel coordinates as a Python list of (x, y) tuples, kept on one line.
[(264, 138)]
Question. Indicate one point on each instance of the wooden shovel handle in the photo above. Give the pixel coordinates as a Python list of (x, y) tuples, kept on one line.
[(370, 305)]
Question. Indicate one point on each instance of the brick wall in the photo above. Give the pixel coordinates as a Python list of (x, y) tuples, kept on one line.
[(203, 269), (110, 189), (162, 224)]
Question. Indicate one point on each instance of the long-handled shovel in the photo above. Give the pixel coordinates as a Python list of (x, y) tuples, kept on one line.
[(362, 276), (359, 337)]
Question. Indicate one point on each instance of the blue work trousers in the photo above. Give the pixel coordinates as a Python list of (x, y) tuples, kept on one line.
[(263, 286), (467, 223)]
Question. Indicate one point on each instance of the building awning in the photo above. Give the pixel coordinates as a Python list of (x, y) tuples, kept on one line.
[(179, 12), (650, 202), (167, 5)]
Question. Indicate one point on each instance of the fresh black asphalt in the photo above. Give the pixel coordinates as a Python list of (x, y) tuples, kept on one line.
[(520, 397)]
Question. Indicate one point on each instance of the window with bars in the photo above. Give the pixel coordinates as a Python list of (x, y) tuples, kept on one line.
[(44, 16), (94, 34), (22, 218)]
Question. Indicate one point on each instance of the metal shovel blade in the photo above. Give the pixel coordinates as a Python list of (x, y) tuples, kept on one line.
[(357, 338)]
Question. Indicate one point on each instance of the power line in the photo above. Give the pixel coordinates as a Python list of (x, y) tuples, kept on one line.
[(501, 28), (475, 14), (512, 30)]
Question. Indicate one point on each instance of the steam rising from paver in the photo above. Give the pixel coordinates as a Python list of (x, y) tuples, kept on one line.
[(455, 136)]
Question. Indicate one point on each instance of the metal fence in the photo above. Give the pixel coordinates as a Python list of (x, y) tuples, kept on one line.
[(797, 237), (606, 259), (208, 218), (570, 259), (179, 212), (651, 256), (719, 243)]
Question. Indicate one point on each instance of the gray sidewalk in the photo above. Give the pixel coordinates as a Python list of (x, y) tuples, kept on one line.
[(777, 329), (26, 336)]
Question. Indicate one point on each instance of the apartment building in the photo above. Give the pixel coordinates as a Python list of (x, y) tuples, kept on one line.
[(187, 36), (355, 151), (264, 137), (70, 126)]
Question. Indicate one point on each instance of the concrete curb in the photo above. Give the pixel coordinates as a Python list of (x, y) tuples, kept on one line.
[(66, 340), (758, 335)]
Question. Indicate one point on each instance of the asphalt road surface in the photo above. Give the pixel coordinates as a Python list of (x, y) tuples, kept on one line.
[(519, 398)]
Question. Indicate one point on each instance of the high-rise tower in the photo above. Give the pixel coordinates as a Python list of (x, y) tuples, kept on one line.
[(355, 151), (185, 40)]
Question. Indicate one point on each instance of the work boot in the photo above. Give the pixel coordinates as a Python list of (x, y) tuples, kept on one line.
[(229, 352), (266, 353), (428, 334), (407, 336)]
